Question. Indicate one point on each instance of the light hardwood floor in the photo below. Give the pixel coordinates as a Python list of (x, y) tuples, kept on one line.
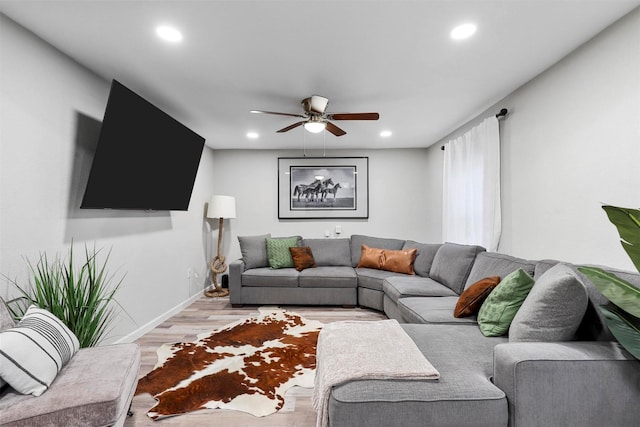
[(204, 315)]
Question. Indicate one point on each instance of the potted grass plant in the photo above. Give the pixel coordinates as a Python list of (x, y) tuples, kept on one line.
[(82, 296), (622, 314)]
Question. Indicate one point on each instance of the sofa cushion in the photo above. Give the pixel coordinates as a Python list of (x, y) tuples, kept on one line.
[(302, 257), (254, 251), (330, 252), (33, 352), (553, 309), (265, 276), (328, 277), (6, 319), (463, 396), (543, 266), (399, 261), (397, 287), (94, 389), (502, 304), (472, 298), (278, 251), (424, 259), (452, 265), (370, 258), (372, 278), (358, 240), (495, 264), (432, 310)]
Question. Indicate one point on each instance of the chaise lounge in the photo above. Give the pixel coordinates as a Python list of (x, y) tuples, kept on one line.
[(94, 389)]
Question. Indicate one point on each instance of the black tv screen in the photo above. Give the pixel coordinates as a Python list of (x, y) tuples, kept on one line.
[(144, 160)]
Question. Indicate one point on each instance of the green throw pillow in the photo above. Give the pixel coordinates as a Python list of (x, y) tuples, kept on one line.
[(502, 304), (278, 252)]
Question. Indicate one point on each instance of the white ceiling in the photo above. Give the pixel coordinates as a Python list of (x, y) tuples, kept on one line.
[(393, 57)]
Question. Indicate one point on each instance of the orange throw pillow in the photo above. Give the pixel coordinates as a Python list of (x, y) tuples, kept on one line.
[(302, 257), (399, 261), (472, 298), (370, 258)]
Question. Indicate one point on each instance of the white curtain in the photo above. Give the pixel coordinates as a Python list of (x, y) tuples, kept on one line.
[(471, 193)]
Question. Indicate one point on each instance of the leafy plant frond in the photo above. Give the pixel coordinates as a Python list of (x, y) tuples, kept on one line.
[(623, 326), (83, 296), (622, 315), (618, 291), (627, 221)]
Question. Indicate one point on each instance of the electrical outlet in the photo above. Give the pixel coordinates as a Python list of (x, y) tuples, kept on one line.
[(338, 229)]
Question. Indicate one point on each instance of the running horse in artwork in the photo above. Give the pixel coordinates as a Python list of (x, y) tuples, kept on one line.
[(323, 188), (333, 190), (316, 191), (303, 189)]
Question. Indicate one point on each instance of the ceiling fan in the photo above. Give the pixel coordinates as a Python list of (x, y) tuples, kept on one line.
[(316, 119)]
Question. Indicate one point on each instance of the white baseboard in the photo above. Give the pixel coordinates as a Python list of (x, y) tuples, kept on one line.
[(158, 320)]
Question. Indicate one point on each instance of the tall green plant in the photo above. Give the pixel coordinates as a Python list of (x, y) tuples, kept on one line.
[(623, 313), (82, 297)]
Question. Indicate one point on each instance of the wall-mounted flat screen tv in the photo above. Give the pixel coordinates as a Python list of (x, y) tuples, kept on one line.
[(145, 159)]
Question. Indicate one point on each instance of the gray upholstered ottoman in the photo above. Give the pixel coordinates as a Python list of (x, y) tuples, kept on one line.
[(463, 396)]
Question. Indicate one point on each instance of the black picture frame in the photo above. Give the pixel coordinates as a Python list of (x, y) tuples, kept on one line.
[(323, 187)]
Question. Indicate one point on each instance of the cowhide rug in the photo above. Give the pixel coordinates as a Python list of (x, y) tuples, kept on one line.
[(247, 366)]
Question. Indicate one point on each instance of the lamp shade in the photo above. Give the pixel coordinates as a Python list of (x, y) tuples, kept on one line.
[(222, 207)]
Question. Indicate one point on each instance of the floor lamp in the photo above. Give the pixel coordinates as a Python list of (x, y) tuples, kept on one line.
[(219, 207)]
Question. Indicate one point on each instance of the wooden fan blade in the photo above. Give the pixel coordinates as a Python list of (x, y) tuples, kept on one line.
[(335, 129), (353, 116), (293, 126), (276, 113)]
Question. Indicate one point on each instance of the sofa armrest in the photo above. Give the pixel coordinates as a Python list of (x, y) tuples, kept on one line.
[(570, 383), (235, 281)]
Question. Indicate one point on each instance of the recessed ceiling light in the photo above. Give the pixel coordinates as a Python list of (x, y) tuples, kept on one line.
[(463, 31), (169, 34), (252, 135), (385, 133)]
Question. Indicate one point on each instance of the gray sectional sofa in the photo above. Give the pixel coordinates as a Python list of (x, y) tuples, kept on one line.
[(332, 282), (587, 380)]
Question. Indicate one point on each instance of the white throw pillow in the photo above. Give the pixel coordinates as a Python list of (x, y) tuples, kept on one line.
[(35, 350)]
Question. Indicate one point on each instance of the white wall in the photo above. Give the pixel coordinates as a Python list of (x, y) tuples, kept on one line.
[(570, 143), (50, 114), (398, 205)]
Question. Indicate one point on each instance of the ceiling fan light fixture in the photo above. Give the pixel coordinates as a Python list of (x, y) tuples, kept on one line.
[(315, 119), (315, 127)]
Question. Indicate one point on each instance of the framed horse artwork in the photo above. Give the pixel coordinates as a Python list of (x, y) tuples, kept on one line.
[(323, 187)]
